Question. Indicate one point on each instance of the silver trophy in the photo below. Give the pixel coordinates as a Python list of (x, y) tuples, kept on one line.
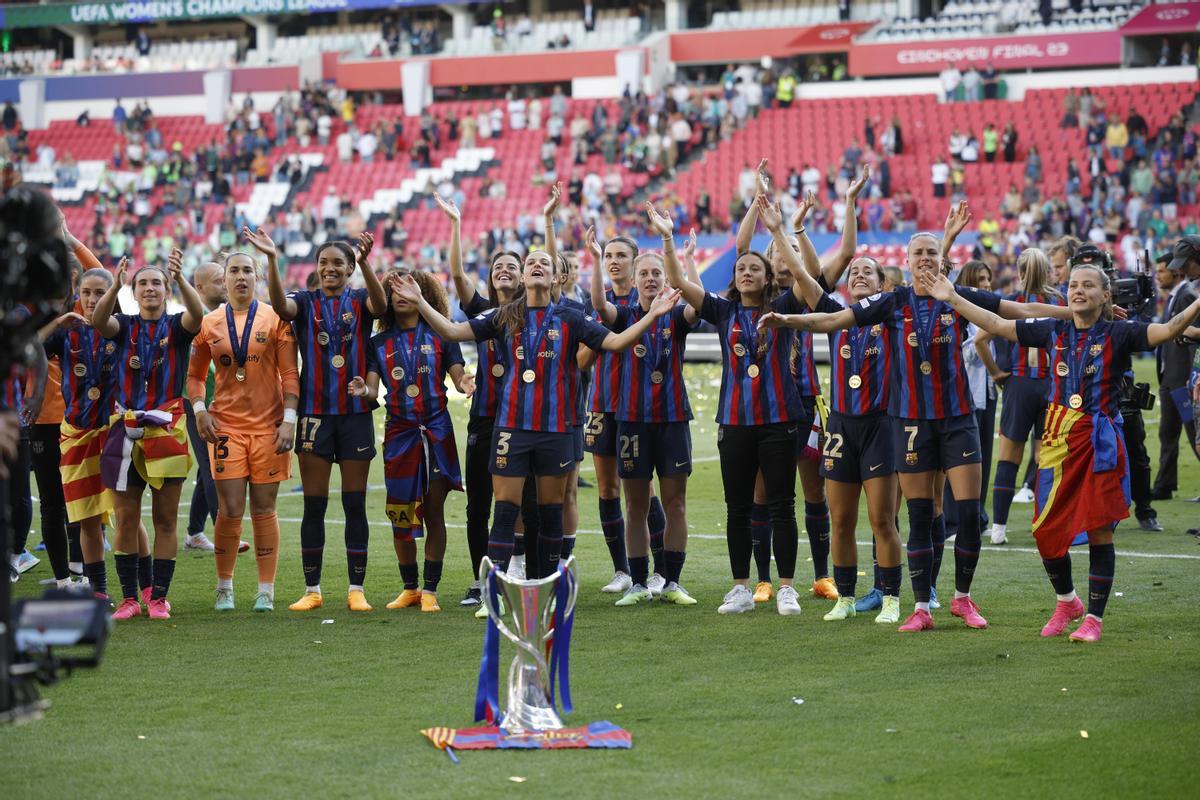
[(530, 607)]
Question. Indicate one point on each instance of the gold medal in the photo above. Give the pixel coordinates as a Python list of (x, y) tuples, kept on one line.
[(93, 393), (844, 351), (1062, 369), (135, 362), (1075, 401), (398, 373), (639, 350), (855, 381), (656, 377), (322, 338), (926, 368), (912, 340), (529, 376), (80, 370), (412, 390), (497, 370), (739, 350), (338, 362), (752, 370), (240, 374)]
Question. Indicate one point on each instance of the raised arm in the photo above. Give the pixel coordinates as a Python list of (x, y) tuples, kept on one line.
[(377, 302), (1010, 309), (597, 282), (102, 316), (745, 232), (693, 293), (981, 342), (689, 259), (840, 260), (193, 308), (805, 288), (464, 287), (39, 366), (451, 331), (548, 212), (813, 323), (284, 306), (1161, 332), (626, 339), (939, 286), (956, 220)]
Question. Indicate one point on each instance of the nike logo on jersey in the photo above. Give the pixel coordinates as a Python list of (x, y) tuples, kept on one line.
[(968, 455), (877, 466)]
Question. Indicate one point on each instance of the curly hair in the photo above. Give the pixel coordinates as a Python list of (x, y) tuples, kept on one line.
[(431, 288)]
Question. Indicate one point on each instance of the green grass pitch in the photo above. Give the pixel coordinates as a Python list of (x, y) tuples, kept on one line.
[(283, 705)]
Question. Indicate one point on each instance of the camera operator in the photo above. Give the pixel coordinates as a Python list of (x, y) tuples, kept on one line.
[(1174, 362), (1136, 296)]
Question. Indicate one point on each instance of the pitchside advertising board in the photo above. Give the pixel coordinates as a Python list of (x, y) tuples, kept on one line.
[(158, 10), (1004, 52)]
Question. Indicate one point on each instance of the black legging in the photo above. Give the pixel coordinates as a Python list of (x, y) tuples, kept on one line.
[(52, 508), (20, 501), (204, 492), (478, 481), (746, 449)]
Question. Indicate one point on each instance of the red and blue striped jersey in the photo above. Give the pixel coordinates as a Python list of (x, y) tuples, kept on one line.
[(83, 349), (344, 324), (804, 365), (652, 388), (162, 348), (547, 403), (578, 384), (413, 357), (606, 374), (865, 352), (771, 396), (483, 401), (1095, 359), (925, 332), (1028, 362)]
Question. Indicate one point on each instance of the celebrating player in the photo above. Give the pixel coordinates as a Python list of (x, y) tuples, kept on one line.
[(147, 442), (654, 422), (540, 340), (250, 426), (1083, 479), (333, 327), (420, 458)]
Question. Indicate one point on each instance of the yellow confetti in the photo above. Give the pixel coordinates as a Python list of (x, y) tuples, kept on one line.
[(619, 706), (1064, 688), (862, 574), (141, 737), (1083, 734), (516, 779)]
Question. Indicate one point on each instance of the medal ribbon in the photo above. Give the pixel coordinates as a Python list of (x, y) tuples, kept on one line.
[(148, 348), (89, 352), (748, 323), (407, 356), (858, 339), (1074, 357), (652, 339), (924, 325), (241, 348), (531, 346), (332, 322)]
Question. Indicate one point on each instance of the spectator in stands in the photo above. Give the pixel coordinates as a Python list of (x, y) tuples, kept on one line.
[(345, 146), (499, 31), (1071, 106), (991, 143), (1116, 138), (324, 127), (991, 82), (971, 83), (970, 150), (939, 173), (589, 16), (951, 80), (331, 209), (368, 143), (142, 42), (497, 121), (785, 89), (1008, 141), (9, 118), (1033, 164), (958, 141), (524, 26)]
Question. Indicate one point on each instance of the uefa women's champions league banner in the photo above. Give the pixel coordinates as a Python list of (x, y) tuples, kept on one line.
[(37, 16)]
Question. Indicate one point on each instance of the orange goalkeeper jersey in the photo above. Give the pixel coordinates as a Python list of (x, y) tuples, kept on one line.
[(253, 405)]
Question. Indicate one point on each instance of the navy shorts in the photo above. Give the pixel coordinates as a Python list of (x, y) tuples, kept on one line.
[(804, 423), (600, 434), (858, 449), (925, 445), (519, 454), (648, 447), (577, 441), (337, 437), (1023, 409)]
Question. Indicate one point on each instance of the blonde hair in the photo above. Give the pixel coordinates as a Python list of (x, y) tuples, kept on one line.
[(1034, 268)]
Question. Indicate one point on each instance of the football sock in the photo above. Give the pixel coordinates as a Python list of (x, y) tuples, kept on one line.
[(266, 546), (675, 559), (97, 575), (227, 537), (164, 570), (550, 524), (312, 538), (127, 573), (433, 576), (920, 547), (966, 545), (145, 571), (760, 538), (639, 570), (1059, 572), (878, 582), (568, 547), (612, 523), (816, 524), (410, 575), (845, 578), (889, 577), (784, 536), (1003, 487), (354, 505), (937, 535), (1101, 567), (656, 520), (500, 540)]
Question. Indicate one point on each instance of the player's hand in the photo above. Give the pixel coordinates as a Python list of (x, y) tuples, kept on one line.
[(857, 187), (1000, 378), (261, 242), (406, 288), (806, 204), (70, 320), (589, 241), (689, 249), (466, 385), (957, 219), (772, 320), (936, 284), (664, 302), (762, 182), (206, 426), (357, 387), (175, 265), (769, 213), (363, 247), (1119, 313), (552, 204), (449, 208), (661, 223), (285, 433), (122, 273)]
